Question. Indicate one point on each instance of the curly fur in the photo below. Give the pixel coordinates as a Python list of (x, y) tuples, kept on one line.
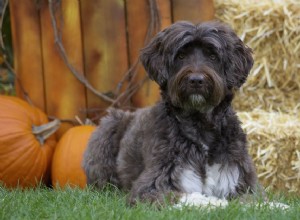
[(192, 139)]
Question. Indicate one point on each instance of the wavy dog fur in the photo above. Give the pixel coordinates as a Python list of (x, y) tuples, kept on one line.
[(192, 139)]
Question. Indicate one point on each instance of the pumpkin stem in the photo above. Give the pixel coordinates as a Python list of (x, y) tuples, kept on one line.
[(42, 132)]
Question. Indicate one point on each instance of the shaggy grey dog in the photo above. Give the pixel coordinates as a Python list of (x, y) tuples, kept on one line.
[(191, 141)]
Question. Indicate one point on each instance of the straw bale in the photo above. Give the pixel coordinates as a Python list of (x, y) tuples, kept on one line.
[(271, 99), (274, 143), (272, 29)]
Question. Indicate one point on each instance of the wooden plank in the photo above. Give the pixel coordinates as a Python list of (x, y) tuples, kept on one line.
[(164, 8), (105, 47), (193, 10), (137, 28), (26, 36), (65, 95)]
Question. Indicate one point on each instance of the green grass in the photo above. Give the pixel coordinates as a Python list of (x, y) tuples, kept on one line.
[(45, 203)]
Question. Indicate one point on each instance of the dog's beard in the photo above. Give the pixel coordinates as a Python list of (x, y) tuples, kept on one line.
[(200, 100), (197, 102)]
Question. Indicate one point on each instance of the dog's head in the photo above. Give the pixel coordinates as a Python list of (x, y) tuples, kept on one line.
[(197, 65)]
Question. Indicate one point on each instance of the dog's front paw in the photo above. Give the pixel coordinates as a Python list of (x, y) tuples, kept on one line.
[(199, 200), (274, 205)]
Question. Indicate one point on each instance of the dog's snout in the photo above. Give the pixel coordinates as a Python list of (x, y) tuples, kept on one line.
[(195, 80)]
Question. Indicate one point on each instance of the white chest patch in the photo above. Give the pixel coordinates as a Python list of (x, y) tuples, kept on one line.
[(219, 181), (190, 181)]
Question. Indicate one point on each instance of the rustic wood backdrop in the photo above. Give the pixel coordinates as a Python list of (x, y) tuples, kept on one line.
[(101, 38)]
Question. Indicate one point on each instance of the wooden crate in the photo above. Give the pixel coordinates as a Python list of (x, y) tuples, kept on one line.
[(102, 40)]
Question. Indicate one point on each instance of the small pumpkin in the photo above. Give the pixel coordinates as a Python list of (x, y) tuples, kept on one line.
[(68, 155), (26, 143)]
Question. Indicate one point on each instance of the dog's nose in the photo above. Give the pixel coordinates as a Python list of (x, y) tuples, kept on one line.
[(195, 80)]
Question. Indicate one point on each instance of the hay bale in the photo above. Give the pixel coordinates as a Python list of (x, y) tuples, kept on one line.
[(274, 143), (272, 29), (270, 100)]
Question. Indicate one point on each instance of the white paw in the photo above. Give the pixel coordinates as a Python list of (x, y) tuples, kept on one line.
[(276, 205), (199, 200)]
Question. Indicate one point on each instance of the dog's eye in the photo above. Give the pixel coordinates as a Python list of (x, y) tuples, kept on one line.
[(212, 57), (180, 56)]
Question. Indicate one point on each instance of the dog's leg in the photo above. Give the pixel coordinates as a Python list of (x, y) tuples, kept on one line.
[(147, 189), (99, 161), (153, 188)]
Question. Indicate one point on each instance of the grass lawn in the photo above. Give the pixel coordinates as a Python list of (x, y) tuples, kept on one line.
[(45, 203)]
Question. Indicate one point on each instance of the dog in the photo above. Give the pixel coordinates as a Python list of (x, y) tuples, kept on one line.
[(189, 142)]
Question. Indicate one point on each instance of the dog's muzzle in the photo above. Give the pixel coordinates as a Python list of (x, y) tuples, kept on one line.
[(200, 89)]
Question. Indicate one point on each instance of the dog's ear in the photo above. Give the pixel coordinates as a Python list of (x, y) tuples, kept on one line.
[(240, 62), (238, 57), (153, 60), (158, 55)]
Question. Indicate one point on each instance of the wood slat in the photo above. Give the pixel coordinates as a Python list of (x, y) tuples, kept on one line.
[(164, 8), (96, 33), (65, 95), (137, 28), (105, 47), (193, 10), (26, 36)]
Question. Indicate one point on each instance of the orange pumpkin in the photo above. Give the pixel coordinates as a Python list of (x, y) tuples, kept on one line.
[(67, 158), (26, 143)]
